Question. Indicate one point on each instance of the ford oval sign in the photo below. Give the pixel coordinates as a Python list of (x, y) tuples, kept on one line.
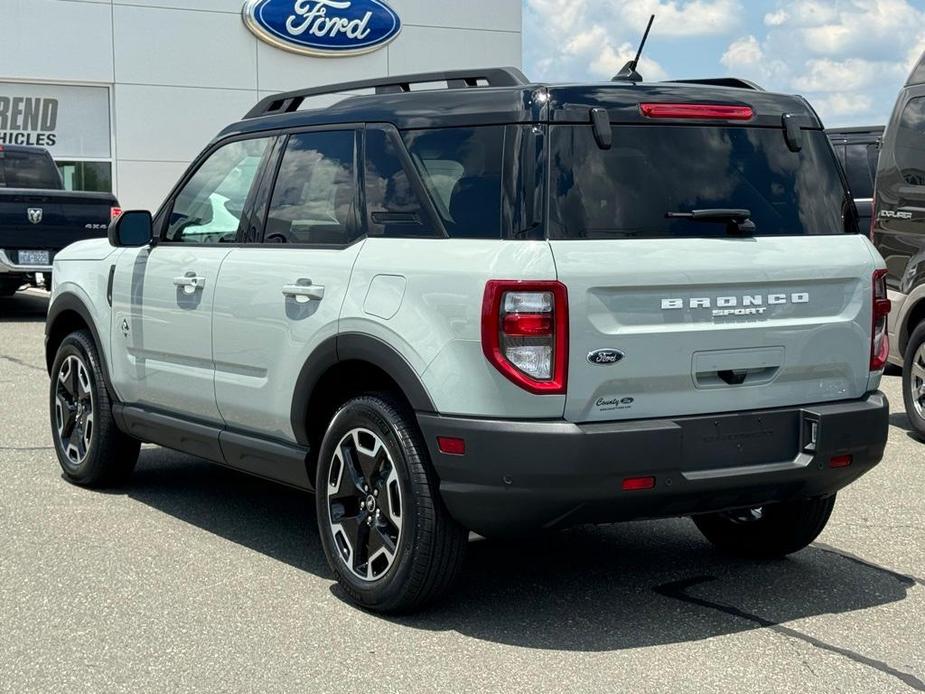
[(326, 28)]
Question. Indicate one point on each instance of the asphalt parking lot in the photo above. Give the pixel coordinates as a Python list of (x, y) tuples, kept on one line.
[(197, 578)]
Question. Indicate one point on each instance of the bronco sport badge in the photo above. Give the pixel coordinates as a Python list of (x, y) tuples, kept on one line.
[(323, 28)]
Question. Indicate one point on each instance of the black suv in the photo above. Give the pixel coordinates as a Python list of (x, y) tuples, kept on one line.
[(898, 232), (858, 150)]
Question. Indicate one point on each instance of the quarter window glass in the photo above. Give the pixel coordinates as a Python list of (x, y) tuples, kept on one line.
[(209, 208), (313, 201), (392, 204), (858, 170), (910, 143), (461, 168)]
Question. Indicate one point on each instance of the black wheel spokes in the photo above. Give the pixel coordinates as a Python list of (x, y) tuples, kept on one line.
[(365, 504), (74, 409)]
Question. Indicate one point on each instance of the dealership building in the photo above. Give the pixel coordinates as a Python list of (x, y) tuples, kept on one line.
[(125, 93)]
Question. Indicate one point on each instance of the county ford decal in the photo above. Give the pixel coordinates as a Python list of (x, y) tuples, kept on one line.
[(326, 28)]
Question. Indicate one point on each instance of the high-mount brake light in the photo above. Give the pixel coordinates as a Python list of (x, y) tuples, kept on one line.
[(697, 111), (525, 333), (880, 339)]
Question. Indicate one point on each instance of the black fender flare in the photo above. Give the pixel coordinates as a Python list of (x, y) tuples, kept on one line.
[(354, 347), (71, 303)]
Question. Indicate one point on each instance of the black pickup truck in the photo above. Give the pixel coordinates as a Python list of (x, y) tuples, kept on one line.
[(38, 217)]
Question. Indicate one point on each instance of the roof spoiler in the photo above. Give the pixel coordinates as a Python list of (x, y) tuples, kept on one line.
[(288, 102), (734, 82)]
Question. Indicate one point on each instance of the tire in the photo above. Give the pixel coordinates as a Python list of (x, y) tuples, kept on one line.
[(9, 287), (377, 438), (779, 529), (914, 380), (100, 456)]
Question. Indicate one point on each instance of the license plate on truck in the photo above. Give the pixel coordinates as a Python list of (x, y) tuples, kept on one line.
[(34, 258)]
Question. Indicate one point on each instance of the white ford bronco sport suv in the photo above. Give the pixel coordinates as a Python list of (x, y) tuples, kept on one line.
[(492, 306)]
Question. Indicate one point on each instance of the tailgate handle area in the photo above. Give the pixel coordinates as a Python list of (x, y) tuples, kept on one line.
[(737, 367)]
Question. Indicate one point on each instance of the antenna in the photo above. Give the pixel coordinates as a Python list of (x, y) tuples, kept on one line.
[(628, 72)]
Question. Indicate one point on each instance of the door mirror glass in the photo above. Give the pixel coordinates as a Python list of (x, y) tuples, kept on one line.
[(132, 229)]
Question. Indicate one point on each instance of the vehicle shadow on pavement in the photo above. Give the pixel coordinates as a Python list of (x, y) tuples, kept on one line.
[(24, 307), (584, 589)]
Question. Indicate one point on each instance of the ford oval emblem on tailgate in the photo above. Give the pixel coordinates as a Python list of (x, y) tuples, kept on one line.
[(605, 357), (323, 27)]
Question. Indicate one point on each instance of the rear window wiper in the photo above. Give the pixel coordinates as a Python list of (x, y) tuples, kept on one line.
[(738, 222)]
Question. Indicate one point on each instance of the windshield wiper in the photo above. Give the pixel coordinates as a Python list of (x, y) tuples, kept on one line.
[(738, 222)]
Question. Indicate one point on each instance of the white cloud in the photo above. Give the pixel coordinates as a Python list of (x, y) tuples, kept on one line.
[(743, 52), (590, 38), (775, 19), (852, 74)]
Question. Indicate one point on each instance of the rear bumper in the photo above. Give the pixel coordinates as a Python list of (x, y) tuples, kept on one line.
[(519, 475), (7, 266)]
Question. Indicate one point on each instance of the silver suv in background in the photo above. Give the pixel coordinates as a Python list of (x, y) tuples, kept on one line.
[(496, 306)]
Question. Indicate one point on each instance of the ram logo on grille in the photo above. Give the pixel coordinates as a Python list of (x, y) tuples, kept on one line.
[(35, 214)]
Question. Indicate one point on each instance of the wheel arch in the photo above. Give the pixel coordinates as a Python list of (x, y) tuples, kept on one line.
[(345, 365), (912, 318), (66, 315)]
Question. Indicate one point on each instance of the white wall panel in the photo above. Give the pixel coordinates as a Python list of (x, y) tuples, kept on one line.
[(281, 71), (54, 40), (230, 6), (182, 47), (173, 123), (143, 185), (422, 49), (472, 14)]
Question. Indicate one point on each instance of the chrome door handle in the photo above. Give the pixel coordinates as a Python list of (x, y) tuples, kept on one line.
[(304, 292), (190, 283)]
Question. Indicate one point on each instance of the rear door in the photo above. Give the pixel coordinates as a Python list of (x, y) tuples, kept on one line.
[(280, 297), (703, 318), (163, 296)]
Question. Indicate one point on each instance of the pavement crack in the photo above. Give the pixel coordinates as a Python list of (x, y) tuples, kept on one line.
[(26, 449), (905, 579), (678, 591), (20, 362)]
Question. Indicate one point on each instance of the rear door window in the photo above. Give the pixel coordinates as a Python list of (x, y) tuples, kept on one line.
[(393, 206), (910, 143), (314, 199), (627, 191), (462, 171)]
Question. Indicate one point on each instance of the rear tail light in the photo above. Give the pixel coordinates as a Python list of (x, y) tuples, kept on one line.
[(697, 111), (525, 333), (880, 340), (114, 213)]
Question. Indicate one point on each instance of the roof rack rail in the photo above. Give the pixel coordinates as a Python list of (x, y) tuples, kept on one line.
[(288, 102), (722, 82)]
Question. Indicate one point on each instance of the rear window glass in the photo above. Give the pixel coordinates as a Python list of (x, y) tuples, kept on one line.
[(626, 192), (910, 143), (858, 169), (34, 170), (462, 170)]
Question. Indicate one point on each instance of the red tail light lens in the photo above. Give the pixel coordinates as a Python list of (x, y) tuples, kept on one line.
[(114, 213), (525, 333), (697, 111), (880, 340)]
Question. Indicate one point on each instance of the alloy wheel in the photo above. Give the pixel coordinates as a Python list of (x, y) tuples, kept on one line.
[(365, 505), (917, 381), (74, 409)]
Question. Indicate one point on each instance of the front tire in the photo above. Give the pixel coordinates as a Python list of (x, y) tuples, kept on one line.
[(914, 380), (771, 531), (387, 536), (92, 452)]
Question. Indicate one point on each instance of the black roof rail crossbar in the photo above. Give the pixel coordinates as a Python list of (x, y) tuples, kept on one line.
[(288, 102), (722, 82)]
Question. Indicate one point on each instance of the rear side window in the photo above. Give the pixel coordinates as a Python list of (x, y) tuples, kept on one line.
[(858, 169), (462, 171), (314, 200), (627, 191), (34, 170), (910, 143), (393, 207)]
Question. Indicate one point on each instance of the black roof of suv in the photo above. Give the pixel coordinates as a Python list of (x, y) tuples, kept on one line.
[(481, 97)]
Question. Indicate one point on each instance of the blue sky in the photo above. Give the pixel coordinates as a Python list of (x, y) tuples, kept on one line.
[(848, 57)]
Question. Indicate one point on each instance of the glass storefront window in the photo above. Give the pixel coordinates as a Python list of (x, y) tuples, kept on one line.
[(89, 176)]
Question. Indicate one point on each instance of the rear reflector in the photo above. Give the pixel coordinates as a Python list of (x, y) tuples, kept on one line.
[(841, 461), (451, 445), (634, 484), (697, 111)]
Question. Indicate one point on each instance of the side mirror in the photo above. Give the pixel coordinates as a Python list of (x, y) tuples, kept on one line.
[(132, 229)]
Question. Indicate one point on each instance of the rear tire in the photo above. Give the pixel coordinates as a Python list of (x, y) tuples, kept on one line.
[(92, 452), (9, 287), (387, 535), (914, 380), (775, 530)]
